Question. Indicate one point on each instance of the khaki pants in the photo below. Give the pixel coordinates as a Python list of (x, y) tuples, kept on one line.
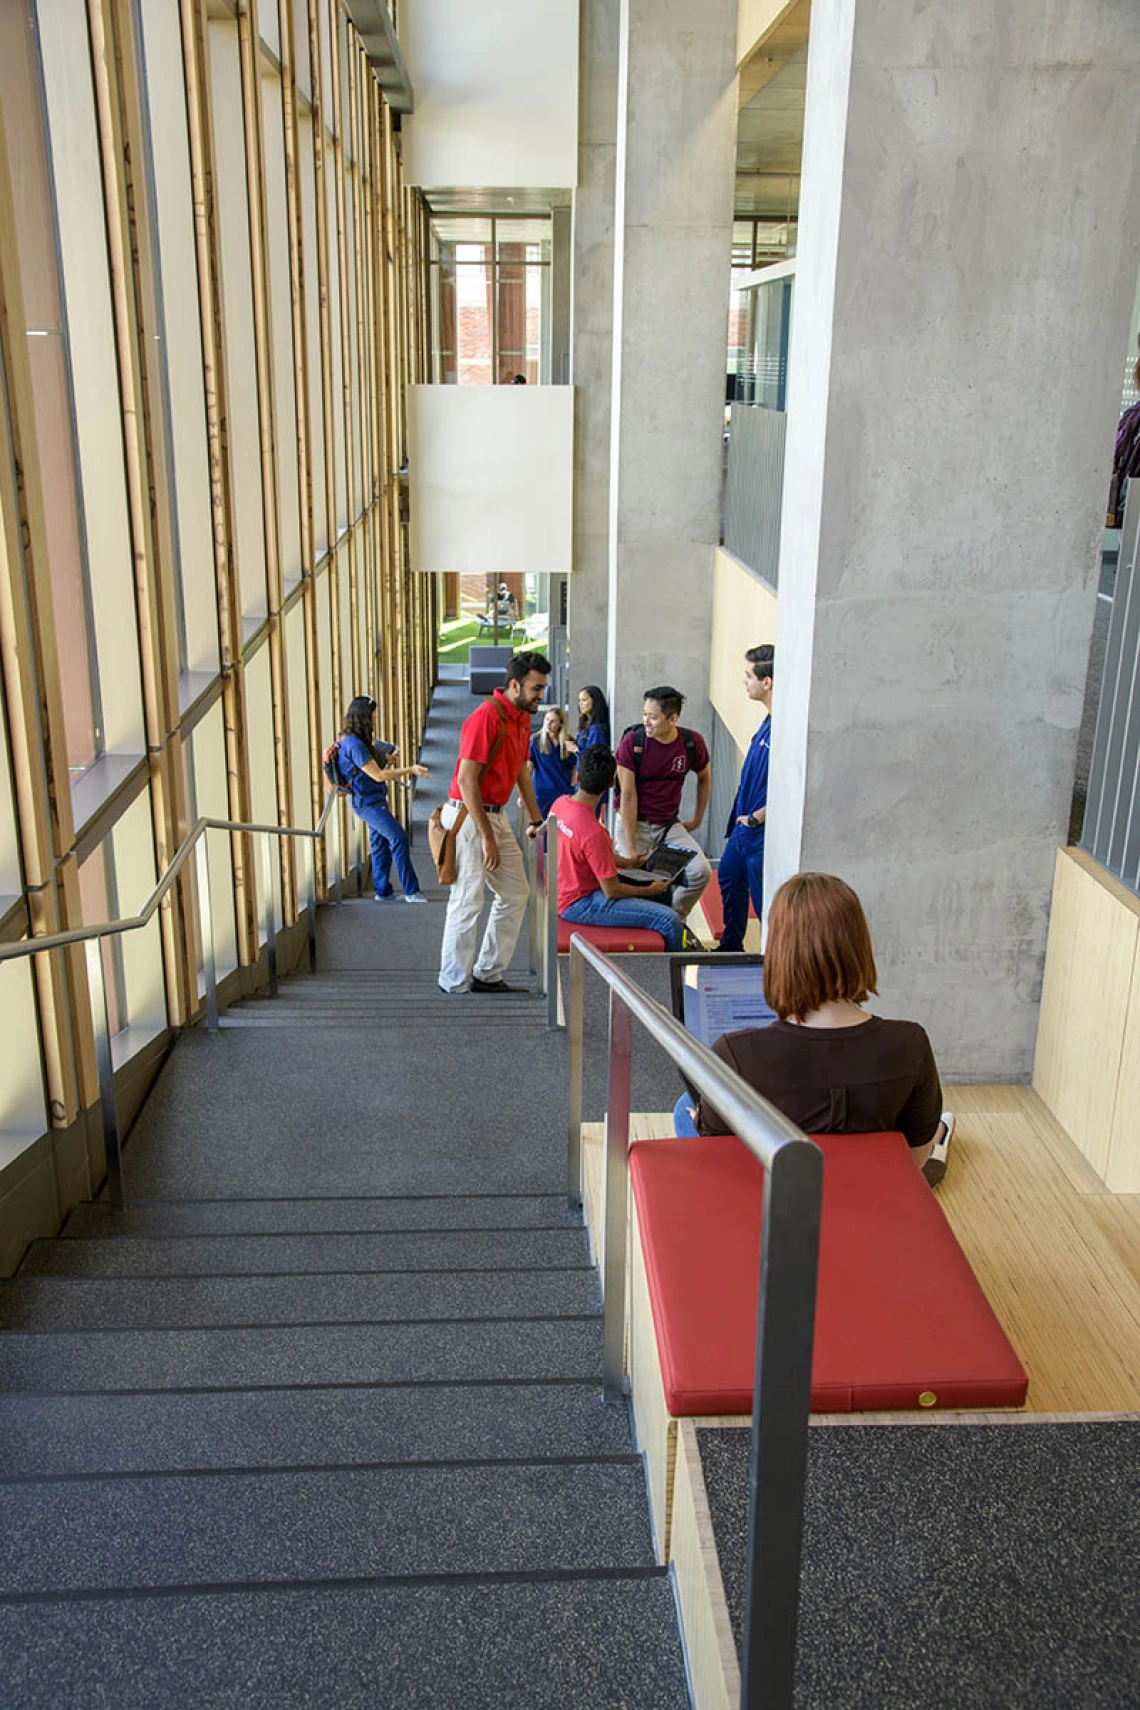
[(507, 882)]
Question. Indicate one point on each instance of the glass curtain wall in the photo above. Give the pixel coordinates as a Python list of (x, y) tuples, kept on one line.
[(218, 307)]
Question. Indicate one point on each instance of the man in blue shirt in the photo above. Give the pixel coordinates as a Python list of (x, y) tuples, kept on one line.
[(741, 870)]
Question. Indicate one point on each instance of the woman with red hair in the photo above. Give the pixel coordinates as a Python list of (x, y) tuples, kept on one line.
[(824, 1062)]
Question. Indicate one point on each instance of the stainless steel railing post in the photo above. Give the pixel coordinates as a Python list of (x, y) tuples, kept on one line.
[(575, 1020), (268, 913), (553, 991), (616, 1202), (785, 1323), (529, 847), (108, 1104), (311, 906), (206, 922)]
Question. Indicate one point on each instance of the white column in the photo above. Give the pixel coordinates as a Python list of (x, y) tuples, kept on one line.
[(967, 261)]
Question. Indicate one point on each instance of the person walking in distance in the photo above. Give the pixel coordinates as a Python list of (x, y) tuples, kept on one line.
[(653, 763), (741, 869), (493, 746)]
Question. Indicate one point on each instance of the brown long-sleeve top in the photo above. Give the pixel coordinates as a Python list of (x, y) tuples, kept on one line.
[(872, 1078)]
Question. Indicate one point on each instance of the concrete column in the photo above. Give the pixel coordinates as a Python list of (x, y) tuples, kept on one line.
[(967, 261), (591, 338), (672, 234), (561, 263)]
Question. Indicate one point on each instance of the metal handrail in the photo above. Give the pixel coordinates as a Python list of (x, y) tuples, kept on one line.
[(785, 1320), (91, 936)]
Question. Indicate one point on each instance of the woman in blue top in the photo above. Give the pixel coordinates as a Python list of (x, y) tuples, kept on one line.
[(552, 759), (368, 780), (593, 718), (594, 729)]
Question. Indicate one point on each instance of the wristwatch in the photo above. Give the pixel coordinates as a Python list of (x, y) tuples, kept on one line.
[(754, 822)]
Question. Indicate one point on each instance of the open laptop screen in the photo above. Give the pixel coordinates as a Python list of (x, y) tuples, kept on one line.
[(714, 994)]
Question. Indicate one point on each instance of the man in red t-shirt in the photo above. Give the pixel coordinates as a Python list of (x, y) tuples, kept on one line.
[(590, 891), (493, 747), (651, 779)]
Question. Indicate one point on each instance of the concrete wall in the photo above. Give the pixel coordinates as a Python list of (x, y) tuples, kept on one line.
[(490, 479), (967, 262), (496, 92), (591, 340), (676, 139)]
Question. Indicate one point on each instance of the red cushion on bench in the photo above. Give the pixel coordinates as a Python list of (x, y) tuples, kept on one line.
[(614, 939), (899, 1313)]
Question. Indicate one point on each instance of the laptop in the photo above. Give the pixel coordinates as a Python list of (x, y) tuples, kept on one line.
[(713, 993)]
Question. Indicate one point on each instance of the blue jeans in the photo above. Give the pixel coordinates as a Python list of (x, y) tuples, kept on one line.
[(683, 1125), (389, 843), (741, 875), (597, 909)]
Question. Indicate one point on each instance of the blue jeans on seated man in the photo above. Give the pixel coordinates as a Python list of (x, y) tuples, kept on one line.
[(683, 1125), (597, 909), (389, 843), (741, 877)]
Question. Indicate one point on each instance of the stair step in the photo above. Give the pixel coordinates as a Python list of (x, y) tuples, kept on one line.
[(112, 1303), (573, 1643), (234, 1255), (452, 1352), (322, 1216), (60, 1434), (319, 1525)]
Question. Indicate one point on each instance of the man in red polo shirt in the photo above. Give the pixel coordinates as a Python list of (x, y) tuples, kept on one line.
[(493, 747)]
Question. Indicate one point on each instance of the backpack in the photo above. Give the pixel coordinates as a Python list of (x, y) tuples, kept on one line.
[(331, 770), (637, 731)]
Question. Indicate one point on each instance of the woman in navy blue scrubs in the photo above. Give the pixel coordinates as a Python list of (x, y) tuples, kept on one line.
[(552, 760), (593, 718), (367, 779)]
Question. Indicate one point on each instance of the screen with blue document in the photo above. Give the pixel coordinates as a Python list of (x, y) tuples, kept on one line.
[(714, 994)]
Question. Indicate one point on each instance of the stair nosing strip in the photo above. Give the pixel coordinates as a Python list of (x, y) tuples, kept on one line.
[(315, 1234), (212, 1588), (574, 1380), (446, 1463), (297, 1324), (369, 1271)]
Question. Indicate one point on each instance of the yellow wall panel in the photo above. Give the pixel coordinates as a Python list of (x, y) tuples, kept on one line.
[(1090, 974), (744, 615)]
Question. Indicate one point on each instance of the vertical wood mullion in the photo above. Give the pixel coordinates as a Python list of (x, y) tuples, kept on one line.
[(383, 461), (294, 209), (334, 15), (357, 68), (249, 48), (124, 145), (316, 79), (203, 179), (34, 704)]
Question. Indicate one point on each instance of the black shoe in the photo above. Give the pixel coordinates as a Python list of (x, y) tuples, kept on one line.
[(478, 985)]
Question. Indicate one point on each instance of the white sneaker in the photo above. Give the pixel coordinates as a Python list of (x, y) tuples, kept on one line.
[(935, 1166), (415, 896)]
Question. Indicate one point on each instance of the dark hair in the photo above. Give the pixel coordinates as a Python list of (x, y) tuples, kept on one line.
[(819, 946), (599, 712), (596, 768), (762, 660), (520, 667), (358, 718), (670, 700)]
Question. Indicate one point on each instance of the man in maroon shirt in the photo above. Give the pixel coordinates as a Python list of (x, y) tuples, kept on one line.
[(493, 747), (651, 776)]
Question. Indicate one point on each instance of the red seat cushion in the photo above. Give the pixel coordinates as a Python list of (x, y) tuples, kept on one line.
[(899, 1313), (611, 938), (714, 908)]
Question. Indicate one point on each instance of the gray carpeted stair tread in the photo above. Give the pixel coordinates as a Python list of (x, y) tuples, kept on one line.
[(322, 1216), (50, 1435), (219, 1529), (329, 1353), (224, 1255), (83, 1303), (574, 1644)]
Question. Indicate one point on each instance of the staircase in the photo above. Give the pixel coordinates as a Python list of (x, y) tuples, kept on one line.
[(316, 1419)]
